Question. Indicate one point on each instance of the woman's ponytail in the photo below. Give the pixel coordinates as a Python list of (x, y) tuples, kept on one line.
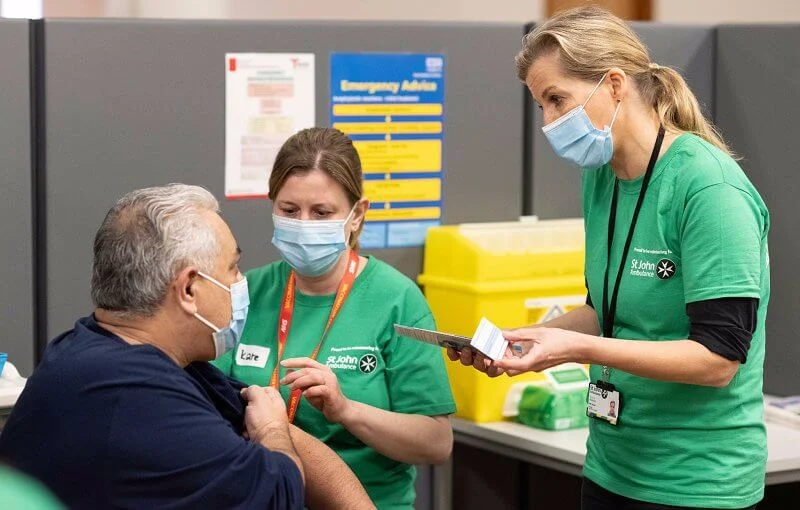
[(677, 106)]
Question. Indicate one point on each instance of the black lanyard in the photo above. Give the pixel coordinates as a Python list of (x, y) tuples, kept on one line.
[(610, 309)]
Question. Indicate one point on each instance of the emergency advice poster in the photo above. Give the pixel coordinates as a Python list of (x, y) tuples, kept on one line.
[(392, 106)]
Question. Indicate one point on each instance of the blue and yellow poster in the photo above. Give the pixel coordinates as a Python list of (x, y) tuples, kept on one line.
[(392, 106)]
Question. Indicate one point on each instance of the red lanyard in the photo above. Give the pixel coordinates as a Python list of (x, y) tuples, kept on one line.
[(285, 322)]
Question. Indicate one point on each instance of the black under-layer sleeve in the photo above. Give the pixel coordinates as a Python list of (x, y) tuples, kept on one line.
[(724, 326)]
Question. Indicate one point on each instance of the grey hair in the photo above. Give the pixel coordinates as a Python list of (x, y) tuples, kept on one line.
[(145, 240)]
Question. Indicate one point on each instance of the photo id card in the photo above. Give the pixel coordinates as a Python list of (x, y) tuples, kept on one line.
[(603, 403)]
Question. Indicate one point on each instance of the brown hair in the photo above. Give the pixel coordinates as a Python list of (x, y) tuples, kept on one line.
[(325, 149), (591, 40)]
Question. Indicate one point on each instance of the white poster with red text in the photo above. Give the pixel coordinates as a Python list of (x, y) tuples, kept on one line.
[(268, 98)]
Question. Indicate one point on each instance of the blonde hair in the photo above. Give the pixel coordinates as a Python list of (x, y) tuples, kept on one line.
[(591, 40), (325, 149)]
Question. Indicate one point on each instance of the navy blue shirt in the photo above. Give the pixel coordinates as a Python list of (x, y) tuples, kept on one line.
[(106, 424)]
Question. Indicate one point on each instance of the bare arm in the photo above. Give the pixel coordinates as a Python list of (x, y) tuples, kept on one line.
[(409, 438), (266, 422), (277, 439), (580, 320), (681, 361), (331, 484)]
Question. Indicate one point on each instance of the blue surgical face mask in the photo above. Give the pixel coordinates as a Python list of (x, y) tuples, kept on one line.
[(311, 247), (575, 139), (226, 338)]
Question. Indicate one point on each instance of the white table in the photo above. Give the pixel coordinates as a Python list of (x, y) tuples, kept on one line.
[(565, 451)]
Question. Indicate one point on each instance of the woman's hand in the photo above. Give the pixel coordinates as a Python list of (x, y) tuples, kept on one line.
[(319, 385), (536, 349), (468, 357)]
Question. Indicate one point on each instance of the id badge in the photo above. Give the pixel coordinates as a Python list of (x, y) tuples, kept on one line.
[(604, 402)]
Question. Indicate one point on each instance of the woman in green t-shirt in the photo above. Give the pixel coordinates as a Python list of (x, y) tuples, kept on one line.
[(677, 272), (320, 327)]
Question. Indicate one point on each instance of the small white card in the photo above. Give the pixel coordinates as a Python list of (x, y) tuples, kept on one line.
[(489, 339), (252, 355)]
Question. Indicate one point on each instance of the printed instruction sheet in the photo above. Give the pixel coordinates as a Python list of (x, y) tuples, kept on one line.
[(268, 98)]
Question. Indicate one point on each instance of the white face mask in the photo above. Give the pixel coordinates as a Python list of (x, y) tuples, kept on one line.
[(575, 139), (226, 338), (311, 247)]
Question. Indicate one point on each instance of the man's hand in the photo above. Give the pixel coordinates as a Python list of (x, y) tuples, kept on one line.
[(266, 422), (265, 412)]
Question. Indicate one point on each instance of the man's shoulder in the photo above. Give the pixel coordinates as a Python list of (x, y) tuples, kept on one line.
[(87, 353)]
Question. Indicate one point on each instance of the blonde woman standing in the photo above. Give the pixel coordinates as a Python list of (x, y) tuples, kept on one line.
[(677, 272)]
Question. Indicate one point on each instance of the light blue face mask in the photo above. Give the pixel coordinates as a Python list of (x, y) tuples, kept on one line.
[(575, 139), (226, 338), (311, 247)]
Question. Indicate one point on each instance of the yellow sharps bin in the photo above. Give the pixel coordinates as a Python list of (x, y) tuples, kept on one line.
[(513, 273)]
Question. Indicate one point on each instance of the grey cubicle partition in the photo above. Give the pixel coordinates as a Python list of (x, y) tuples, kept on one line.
[(138, 103), (16, 231), (556, 185), (758, 107)]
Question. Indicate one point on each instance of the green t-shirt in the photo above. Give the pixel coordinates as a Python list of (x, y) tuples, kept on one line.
[(22, 493), (373, 365), (701, 234)]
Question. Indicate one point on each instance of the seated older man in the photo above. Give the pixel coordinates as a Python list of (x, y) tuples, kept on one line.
[(125, 411)]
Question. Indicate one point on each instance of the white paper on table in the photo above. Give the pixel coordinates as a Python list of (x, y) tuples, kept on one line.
[(268, 98), (489, 340)]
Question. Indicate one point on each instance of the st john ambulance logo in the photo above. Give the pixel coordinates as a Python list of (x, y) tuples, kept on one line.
[(367, 363), (665, 269)]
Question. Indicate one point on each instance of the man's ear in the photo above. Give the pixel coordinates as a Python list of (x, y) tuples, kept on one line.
[(185, 287)]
